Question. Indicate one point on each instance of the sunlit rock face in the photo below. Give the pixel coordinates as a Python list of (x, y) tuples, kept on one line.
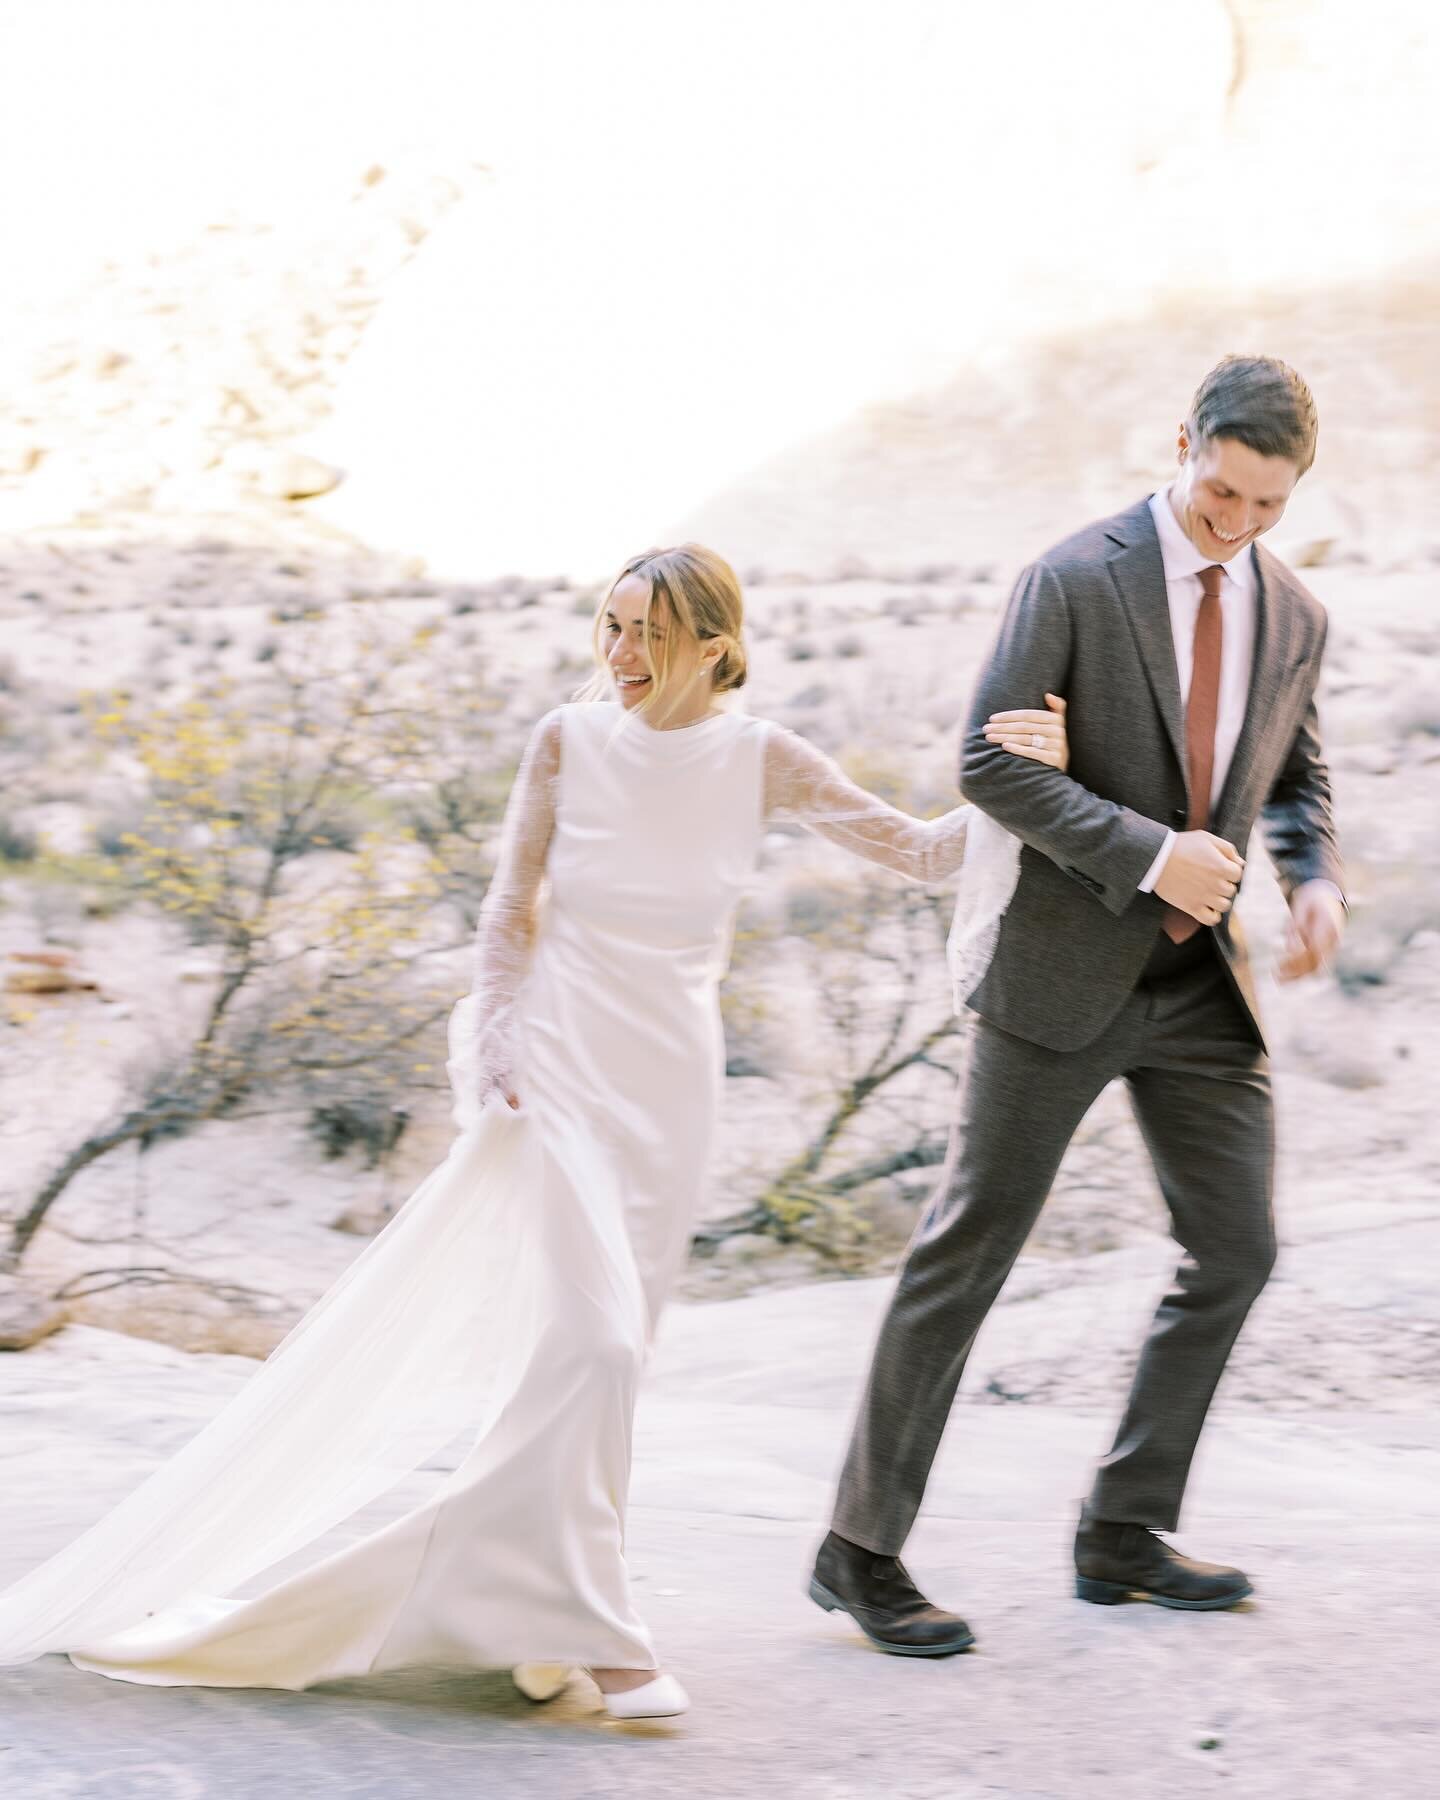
[(824, 284), (926, 284)]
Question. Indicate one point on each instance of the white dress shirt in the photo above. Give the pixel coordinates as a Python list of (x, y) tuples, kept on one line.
[(1183, 563)]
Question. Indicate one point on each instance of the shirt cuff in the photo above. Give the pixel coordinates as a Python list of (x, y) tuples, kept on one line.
[(1334, 887), (1157, 868)]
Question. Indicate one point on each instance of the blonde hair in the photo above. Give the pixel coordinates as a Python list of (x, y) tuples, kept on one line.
[(701, 593)]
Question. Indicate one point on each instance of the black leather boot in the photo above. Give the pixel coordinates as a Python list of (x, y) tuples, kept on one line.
[(1115, 1562), (884, 1602)]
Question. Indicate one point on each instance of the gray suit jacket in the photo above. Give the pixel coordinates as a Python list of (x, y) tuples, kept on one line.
[(1090, 621)]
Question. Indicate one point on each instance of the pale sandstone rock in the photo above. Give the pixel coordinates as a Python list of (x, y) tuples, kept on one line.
[(25, 1316), (46, 972), (282, 474)]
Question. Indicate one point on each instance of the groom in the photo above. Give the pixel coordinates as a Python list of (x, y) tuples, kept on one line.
[(1189, 657)]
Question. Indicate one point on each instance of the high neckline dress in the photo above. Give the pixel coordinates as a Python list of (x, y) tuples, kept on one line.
[(499, 1323)]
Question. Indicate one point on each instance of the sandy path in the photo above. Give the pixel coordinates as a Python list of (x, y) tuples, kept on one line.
[(1316, 1690)]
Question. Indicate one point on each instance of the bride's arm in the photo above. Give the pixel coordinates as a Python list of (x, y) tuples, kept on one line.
[(805, 786), (507, 914)]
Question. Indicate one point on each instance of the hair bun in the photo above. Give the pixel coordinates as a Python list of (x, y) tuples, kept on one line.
[(731, 670)]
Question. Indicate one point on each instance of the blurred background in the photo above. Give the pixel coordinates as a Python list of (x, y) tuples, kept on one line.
[(549, 280), (346, 349)]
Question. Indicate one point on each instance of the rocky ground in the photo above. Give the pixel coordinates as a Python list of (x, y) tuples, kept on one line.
[(1314, 1689)]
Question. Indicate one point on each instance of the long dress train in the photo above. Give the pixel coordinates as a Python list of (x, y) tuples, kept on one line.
[(508, 1307)]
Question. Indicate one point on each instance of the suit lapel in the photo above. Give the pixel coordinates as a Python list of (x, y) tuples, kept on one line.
[(1274, 624), (1139, 576)]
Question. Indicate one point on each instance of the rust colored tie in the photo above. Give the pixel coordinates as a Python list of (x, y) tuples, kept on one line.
[(1200, 712)]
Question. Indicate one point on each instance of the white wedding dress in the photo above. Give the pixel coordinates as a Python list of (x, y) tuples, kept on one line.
[(503, 1315)]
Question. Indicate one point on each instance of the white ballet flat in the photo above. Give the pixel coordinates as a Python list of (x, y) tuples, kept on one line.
[(663, 1698), (541, 1681)]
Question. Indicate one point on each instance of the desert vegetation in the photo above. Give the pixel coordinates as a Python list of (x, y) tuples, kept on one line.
[(251, 800)]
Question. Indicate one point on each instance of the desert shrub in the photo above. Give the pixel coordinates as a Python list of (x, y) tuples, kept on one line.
[(812, 907), (373, 1123), (874, 1106), (18, 844), (114, 830), (744, 999), (324, 974), (343, 828)]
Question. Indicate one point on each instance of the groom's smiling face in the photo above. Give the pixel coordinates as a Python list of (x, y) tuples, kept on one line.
[(1226, 494)]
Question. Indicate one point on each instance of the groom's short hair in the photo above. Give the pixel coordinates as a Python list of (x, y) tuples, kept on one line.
[(1260, 402)]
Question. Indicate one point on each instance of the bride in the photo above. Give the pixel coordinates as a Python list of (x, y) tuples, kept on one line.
[(505, 1312)]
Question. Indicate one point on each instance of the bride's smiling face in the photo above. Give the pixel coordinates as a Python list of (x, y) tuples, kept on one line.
[(630, 616)]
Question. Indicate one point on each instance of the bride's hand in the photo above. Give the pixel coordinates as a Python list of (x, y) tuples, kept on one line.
[(493, 1061), (1037, 736), (500, 1086)]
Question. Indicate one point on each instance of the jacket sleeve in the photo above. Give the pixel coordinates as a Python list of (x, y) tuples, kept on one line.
[(1105, 847), (1296, 822)]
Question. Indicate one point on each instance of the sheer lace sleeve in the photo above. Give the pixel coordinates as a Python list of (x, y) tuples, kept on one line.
[(803, 786), (482, 1025)]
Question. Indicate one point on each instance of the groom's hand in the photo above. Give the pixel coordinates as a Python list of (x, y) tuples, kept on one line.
[(1201, 876), (1317, 923)]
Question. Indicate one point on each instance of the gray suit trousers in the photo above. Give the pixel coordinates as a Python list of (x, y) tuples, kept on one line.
[(1200, 1088)]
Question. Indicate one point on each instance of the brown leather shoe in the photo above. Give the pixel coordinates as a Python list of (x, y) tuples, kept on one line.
[(884, 1602), (1115, 1562)]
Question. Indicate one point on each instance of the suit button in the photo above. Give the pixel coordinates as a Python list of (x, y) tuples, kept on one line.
[(1179, 817)]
